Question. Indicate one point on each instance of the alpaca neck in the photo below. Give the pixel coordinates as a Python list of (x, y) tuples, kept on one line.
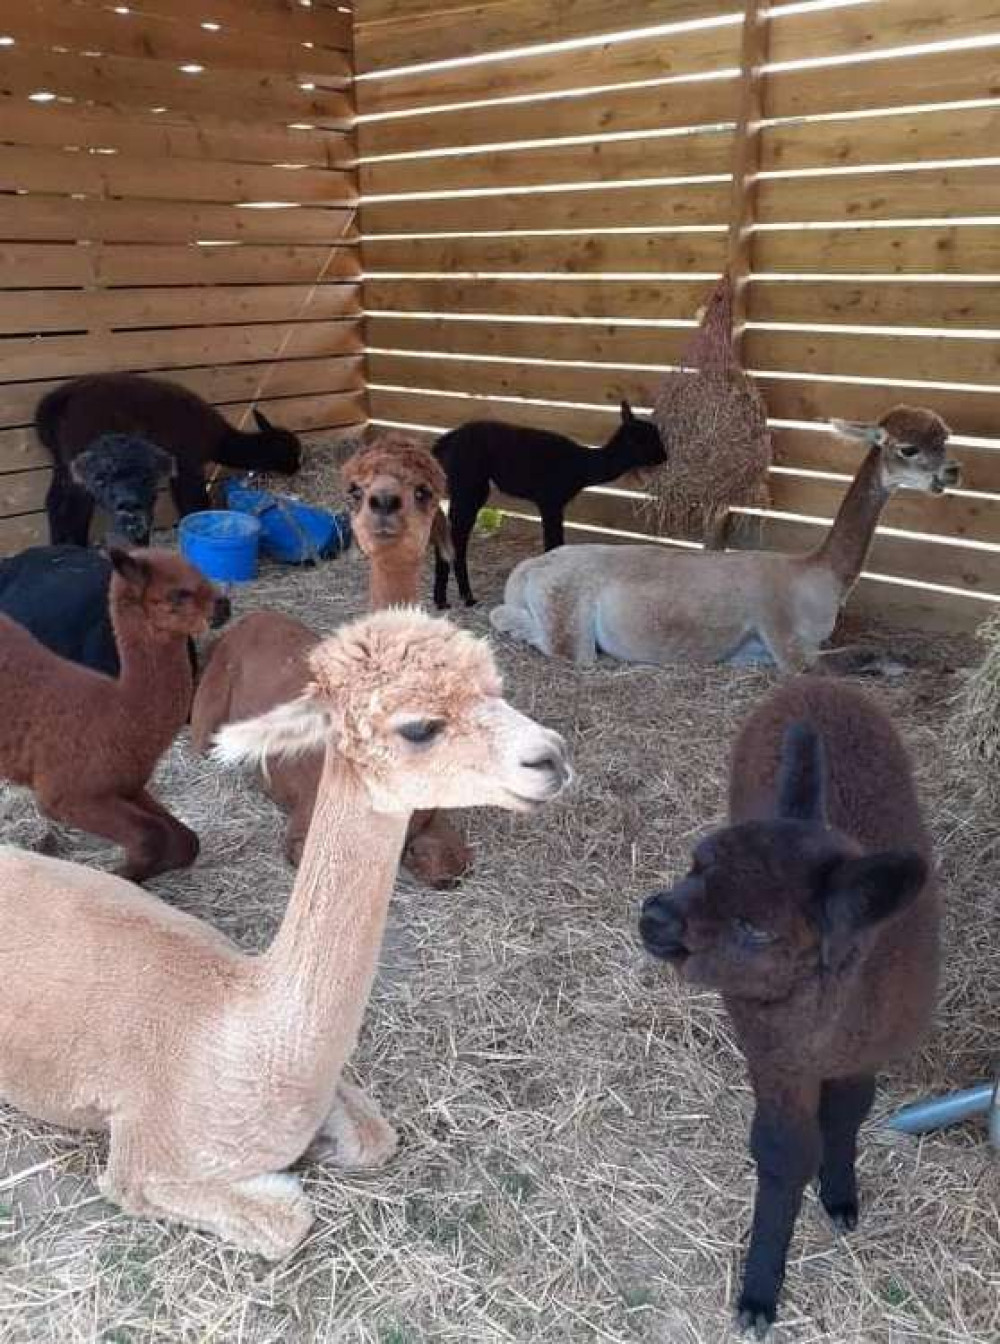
[(607, 463), (849, 540), (317, 975), (155, 669), (394, 582)]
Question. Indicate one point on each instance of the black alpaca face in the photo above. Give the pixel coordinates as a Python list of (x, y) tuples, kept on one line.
[(123, 473), (641, 439), (770, 905), (280, 449)]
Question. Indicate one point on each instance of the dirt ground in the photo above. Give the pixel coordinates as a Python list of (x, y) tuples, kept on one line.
[(574, 1121)]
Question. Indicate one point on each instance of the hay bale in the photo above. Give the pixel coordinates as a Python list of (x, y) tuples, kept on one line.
[(714, 423), (976, 715)]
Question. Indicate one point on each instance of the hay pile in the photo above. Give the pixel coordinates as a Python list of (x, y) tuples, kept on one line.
[(714, 425), (573, 1167), (976, 722)]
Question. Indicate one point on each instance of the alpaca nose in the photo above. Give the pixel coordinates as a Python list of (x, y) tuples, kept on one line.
[(385, 503), (554, 763), (661, 926), (951, 474)]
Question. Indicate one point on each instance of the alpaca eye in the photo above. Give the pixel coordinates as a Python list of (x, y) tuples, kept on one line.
[(420, 731), (908, 450), (422, 494), (354, 496), (751, 935), (181, 595)]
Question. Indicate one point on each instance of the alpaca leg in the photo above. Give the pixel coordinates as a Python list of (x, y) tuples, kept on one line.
[(142, 835), (183, 844), (70, 509), (552, 527), (844, 1103), (789, 650), (354, 1134), (189, 489), (463, 519), (442, 571)]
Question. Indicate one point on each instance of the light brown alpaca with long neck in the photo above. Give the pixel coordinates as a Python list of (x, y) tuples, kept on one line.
[(653, 604), (394, 489), (212, 1070)]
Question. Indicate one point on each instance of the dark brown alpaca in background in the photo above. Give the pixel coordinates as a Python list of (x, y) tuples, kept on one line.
[(87, 744), (814, 914)]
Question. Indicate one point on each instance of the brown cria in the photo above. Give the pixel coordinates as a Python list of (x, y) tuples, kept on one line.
[(815, 915), (87, 744), (394, 488), (212, 1071)]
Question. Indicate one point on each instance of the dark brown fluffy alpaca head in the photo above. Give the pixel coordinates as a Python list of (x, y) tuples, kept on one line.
[(769, 905)]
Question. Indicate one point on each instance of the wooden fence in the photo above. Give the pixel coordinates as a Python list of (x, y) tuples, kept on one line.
[(177, 194), (549, 194)]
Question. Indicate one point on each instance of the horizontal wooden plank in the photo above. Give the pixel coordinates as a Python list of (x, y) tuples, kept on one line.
[(933, 77), (908, 303), (878, 25), (218, 384), (814, 450), (508, 378), (443, 410), (910, 137), (32, 266), (648, 108), (963, 249), (325, 23), (67, 356), (665, 252), (855, 354), (61, 173), (616, 63), (943, 193), (57, 219), (674, 204), (608, 342), (405, 35), (56, 126), (24, 490), (574, 297), (971, 413), (24, 311), (688, 155), (123, 82), (165, 37)]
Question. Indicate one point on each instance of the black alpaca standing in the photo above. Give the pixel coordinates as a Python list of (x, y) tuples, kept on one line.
[(548, 469), (71, 418)]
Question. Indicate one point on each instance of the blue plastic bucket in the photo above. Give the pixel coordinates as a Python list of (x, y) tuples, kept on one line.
[(291, 531), (222, 544)]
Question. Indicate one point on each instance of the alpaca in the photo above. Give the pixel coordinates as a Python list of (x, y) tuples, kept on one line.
[(654, 604), (814, 914), (121, 473), (87, 744), (394, 490), (71, 418), (213, 1070), (60, 594), (548, 469)]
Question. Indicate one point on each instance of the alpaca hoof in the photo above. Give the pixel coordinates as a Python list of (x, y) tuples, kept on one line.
[(472, 602), (844, 1216), (755, 1317), (442, 606)]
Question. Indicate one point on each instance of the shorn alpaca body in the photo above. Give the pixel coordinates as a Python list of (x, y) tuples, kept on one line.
[(814, 915), (72, 418), (654, 604), (87, 744), (394, 489), (213, 1071), (535, 464)]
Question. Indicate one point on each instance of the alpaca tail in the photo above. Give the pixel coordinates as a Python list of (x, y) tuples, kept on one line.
[(49, 414)]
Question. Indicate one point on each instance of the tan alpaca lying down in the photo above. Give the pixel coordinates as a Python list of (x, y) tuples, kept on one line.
[(213, 1071), (653, 604)]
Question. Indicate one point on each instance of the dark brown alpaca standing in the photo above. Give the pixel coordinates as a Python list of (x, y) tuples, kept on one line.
[(87, 744), (814, 914)]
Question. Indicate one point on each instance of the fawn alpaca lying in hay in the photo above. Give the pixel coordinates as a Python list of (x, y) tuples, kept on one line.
[(74, 415), (548, 469), (814, 915), (394, 490), (87, 744), (654, 604), (214, 1071)]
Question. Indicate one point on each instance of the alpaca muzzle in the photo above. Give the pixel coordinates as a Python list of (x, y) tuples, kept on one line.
[(662, 927)]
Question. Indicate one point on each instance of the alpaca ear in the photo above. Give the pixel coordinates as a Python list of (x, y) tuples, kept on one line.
[(858, 893), (294, 729), (441, 535), (164, 464), (133, 569), (81, 466), (862, 432), (802, 776), (628, 414), (263, 424)]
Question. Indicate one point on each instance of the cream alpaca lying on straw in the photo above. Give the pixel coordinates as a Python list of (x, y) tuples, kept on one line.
[(653, 604), (213, 1071)]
